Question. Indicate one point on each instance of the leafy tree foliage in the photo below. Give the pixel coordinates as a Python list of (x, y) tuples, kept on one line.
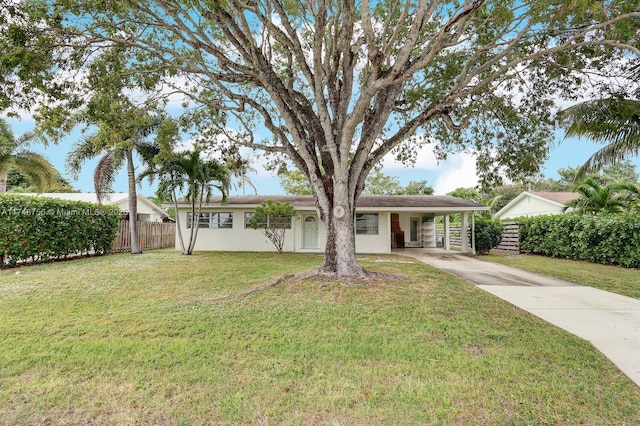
[(273, 218), (380, 184), (341, 84), (294, 182)]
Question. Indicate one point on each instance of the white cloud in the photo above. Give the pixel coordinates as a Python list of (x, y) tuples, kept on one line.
[(459, 171)]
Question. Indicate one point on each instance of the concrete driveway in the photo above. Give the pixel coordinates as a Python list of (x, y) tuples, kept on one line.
[(609, 321)]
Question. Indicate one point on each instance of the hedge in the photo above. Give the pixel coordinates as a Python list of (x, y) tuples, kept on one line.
[(36, 229), (606, 239)]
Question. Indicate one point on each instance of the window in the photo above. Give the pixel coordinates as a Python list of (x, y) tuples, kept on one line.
[(212, 220), (222, 220), (203, 220), (249, 215), (367, 223), (247, 220)]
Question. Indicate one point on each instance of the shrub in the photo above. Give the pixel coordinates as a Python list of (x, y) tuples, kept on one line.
[(273, 218), (488, 234), (604, 238), (36, 229)]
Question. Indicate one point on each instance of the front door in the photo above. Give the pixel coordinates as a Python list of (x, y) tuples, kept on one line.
[(310, 231), (414, 232)]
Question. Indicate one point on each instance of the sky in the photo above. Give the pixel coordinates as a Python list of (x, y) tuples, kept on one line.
[(444, 176)]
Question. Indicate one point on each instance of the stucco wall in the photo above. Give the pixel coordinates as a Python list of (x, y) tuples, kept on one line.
[(240, 238), (531, 206)]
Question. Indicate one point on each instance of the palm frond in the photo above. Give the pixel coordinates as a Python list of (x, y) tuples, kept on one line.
[(83, 151), (37, 169), (106, 171)]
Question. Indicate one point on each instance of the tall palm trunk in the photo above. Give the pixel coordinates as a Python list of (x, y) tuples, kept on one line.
[(133, 204), (3, 181), (174, 197)]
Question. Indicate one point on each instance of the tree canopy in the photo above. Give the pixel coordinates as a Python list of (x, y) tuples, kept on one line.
[(338, 85)]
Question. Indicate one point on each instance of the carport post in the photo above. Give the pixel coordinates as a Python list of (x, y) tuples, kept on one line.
[(464, 240), (473, 232), (446, 232)]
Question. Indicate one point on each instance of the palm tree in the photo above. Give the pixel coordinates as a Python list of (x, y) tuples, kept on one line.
[(613, 198), (15, 155), (113, 155), (188, 174), (614, 121)]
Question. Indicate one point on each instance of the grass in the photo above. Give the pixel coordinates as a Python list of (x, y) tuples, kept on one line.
[(616, 279), (166, 339)]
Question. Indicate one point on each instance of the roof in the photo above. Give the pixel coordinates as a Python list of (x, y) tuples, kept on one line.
[(556, 197), (384, 202), (88, 197)]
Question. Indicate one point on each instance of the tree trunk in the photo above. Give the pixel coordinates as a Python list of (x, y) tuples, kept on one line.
[(338, 217), (133, 205), (3, 181), (178, 229)]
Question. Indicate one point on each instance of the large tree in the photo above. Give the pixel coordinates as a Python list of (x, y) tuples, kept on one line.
[(119, 134), (341, 84)]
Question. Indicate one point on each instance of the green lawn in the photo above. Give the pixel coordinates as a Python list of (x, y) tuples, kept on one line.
[(165, 339), (615, 279)]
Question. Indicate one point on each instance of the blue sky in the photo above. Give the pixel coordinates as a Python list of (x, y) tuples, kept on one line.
[(457, 171)]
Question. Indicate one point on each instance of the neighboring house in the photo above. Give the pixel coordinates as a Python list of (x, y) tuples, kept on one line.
[(147, 211), (536, 203), (382, 223)]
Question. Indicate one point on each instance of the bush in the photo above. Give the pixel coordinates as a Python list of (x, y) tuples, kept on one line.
[(273, 218), (36, 229), (488, 235), (605, 238)]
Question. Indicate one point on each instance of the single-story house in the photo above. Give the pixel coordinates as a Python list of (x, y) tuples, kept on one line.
[(147, 210), (382, 223), (536, 203)]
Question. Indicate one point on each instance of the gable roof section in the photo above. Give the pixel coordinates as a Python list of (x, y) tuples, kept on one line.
[(558, 199), (439, 203)]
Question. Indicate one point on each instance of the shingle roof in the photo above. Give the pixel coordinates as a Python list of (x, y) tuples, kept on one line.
[(370, 201), (556, 197), (88, 197)]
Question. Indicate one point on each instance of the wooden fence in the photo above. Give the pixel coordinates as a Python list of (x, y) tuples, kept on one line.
[(151, 235), (510, 237)]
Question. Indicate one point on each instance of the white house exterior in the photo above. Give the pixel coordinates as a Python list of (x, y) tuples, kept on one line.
[(147, 210), (382, 223), (536, 203)]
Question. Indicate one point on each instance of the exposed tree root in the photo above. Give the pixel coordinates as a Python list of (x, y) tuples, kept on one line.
[(328, 278), (239, 295), (366, 277)]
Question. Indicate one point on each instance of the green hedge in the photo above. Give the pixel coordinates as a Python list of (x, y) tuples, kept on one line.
[(606, 239), (488, 234), (36, 229)]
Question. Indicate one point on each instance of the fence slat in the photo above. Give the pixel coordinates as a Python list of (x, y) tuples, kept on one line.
[(151, 235), (510, 237)]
